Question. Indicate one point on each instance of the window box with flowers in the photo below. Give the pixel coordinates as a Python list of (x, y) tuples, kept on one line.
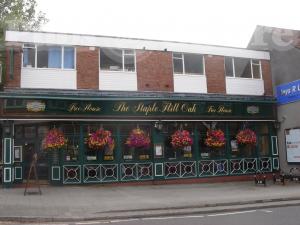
[(215, 140), (246, 139), (181, 140), (53, 143), (101, 141), (138, 141)]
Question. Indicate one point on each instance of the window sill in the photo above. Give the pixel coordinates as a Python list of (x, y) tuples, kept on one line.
[(243, 78), (56, 69), (189, 75), (117, 71)]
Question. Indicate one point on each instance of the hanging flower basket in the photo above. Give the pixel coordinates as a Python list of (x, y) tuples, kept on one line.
[(100, 140), (181, 139), (138, 139), (55, 139), (246, 137), (215, 138)]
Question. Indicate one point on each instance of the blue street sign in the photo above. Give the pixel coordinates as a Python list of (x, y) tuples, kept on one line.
[(289, 92)]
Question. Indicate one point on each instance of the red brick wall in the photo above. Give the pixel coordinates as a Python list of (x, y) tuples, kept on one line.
[(267, 77), (87, 65), (215, 74), (15, 81), (154, 71)]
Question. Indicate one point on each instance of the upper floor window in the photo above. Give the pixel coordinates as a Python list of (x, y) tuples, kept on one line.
[(242, 68), (117, 59), (47, 56), (187, 63)]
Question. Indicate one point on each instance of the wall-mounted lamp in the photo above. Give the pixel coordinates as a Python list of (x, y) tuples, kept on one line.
[(158, 125), (276, 125)]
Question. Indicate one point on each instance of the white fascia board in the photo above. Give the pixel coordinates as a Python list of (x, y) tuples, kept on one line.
[(117, 42)]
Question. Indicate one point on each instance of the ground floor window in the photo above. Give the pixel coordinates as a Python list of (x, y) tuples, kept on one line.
[(130, 142)]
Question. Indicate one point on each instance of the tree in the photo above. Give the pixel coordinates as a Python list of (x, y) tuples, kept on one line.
[(18, 15)]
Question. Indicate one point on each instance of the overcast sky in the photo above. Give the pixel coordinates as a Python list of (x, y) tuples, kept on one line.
[(219, 22)]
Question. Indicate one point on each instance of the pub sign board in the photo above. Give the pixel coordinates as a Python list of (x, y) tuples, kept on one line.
[(144, 108)]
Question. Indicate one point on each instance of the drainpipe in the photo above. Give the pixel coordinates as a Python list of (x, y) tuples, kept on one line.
[(11, 63)]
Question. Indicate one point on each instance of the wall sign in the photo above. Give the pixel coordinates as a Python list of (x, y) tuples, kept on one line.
[(35, 106), (18, 153), (252, 109), (158, 150), (292, 139), (147, 108), (289, 92)]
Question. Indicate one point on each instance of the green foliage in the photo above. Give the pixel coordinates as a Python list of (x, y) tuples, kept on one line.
[(20, 15)]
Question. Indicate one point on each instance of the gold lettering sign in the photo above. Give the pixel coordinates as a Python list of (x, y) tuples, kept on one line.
[(219, 109), (152, 108), (75, 107), (146, 109)]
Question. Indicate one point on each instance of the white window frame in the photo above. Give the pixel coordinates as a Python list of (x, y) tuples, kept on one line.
[(1, 72), (62, 57), (183, 66), (123, 61), (251, 62)]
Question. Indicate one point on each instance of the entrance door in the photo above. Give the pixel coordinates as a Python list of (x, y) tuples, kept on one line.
[(29, 150), (42, 165)]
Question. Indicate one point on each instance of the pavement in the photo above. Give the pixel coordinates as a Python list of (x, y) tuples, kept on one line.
[(101, 202)]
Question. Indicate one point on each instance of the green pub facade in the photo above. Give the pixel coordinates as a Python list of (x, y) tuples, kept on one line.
[(57, 86)]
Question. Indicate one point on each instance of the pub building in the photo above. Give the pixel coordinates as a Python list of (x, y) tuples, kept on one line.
[(99, 109)]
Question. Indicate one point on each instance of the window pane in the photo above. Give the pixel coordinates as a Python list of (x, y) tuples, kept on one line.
[(54, 57), (262, 128), (19, 131), (263, 145), (242, 68), (42, 131), (128, 52), (177, 55), (68, 57), (208, 151), (29, 132), (129, 63), (111, 59), (29, 57), (49, 57), (178, 65), (256, 70), (228, 67), (29, 45), (193, 63)]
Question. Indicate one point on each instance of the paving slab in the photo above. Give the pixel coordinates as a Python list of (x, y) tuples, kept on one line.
[(103, 201)]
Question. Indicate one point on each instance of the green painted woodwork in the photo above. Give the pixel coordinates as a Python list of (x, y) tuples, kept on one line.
[(156, 109), (18, 173), (7, 175), (276, 163), (55, 173), (159, 169), (7, 150)]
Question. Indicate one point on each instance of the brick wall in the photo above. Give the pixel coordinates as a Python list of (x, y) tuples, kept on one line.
[(154, 71), (87, 65), (14, 80), (215, 74), (267, 77)]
